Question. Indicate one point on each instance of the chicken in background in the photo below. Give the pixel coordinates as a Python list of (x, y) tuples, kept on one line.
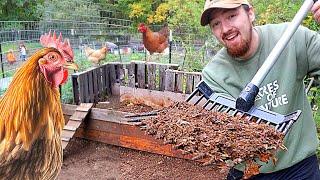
[(31, 117), (96, 56), (154, 102), (11, 58), (154, 42)]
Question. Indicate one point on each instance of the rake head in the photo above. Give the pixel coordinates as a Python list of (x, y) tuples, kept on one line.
[(203, 95)]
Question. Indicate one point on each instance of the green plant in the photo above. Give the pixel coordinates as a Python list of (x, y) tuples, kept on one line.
[(67, 93)]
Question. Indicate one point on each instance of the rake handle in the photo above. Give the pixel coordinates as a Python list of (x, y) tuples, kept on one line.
[(245, 101)]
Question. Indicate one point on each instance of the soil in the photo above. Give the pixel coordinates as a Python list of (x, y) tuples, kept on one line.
[(90, 160)]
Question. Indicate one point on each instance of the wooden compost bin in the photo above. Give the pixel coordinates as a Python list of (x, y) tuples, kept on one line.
[(138, 78)]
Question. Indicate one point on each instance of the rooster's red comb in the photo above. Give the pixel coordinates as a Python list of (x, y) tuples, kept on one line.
[(64, 47)]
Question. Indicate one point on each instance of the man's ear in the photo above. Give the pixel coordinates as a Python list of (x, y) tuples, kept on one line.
[(252, 16)]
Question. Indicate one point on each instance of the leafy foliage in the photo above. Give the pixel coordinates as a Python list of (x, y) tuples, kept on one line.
[(11, 10), (277, 11)]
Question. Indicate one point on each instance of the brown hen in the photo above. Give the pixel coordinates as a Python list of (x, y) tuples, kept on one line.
[(31, 118), (154, 42)]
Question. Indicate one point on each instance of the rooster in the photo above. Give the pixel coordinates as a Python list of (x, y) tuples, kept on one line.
[(96, 56), (154, 42), (31, 118)]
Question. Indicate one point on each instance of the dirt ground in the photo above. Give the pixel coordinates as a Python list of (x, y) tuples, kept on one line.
[(90, 160)]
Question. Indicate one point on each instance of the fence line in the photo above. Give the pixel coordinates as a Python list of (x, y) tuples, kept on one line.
[(96, 84)]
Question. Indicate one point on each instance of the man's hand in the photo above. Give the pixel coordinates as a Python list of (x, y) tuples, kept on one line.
[(316, 11)]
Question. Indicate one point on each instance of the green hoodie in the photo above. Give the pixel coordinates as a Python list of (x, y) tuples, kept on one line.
[(281, 91)]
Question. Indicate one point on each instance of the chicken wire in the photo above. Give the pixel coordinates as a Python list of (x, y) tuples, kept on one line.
[(94, 28)]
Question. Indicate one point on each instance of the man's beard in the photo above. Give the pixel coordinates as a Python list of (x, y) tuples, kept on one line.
[(240, 49)]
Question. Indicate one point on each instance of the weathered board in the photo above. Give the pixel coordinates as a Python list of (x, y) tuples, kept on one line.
[(181, 82), (111, 127), (79, 113)]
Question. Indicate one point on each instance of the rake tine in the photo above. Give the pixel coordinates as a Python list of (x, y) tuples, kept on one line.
[(220, 107), (259, 120), (242, 114), (282, 127), (213, 105), (206, 104), (250, 118), (192, 94), (234, 113), (289, 124), (228, 109), (201, 97), (134, 120), (151, 113)]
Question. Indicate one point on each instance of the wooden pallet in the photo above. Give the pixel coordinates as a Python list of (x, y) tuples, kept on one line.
[(74, 122)]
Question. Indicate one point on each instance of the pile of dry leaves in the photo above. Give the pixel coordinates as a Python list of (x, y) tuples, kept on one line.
[(214, 137)]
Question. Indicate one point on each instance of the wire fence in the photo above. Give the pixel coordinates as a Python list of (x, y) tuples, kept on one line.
[(93, 29)]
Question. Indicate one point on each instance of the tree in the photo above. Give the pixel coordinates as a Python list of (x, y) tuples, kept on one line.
[(277, 11), (19, 10)]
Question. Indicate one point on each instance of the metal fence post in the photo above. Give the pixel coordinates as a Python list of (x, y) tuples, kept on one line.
[(170, 46), (1, 61)]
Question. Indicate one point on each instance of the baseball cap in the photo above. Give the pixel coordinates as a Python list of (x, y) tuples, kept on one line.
[(211, 4)]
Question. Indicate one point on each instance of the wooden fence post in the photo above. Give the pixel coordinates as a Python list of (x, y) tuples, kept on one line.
[(75, 88), (170, 80)]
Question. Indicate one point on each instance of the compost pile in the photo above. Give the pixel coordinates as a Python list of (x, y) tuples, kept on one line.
[(215, 137)]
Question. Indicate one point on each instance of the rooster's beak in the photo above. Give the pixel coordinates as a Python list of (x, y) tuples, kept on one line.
[(71, 65)]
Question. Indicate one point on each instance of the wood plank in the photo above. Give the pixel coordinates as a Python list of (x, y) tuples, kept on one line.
[(196, 80), (162, 77), (90, 87), (78, 116), (84, 107), (189, 84), (67, 134), (168, 65), (108, 115), (179, 82), (103, 78), (73, 123), (100, 82), (76, 88), (121, 74), (151, 71), (83, 89), (131, 75), (170, 80), (107, 80), (141, 75), (64, 144), (70, 128), (143, 143), (68, 109), (113, 75), (65, 139), (95, 85)]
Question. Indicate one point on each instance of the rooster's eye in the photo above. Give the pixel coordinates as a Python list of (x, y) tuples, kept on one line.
[(52, 56)]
